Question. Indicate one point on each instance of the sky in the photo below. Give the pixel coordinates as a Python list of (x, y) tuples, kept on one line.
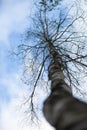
[(13, 21)]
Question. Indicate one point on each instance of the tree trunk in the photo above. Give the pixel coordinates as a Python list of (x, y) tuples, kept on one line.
[(61, 109)]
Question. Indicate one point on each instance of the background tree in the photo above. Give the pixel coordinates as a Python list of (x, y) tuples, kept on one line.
[(57, 49)]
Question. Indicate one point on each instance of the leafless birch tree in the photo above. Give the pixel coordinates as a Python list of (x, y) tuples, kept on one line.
[(56, 49)]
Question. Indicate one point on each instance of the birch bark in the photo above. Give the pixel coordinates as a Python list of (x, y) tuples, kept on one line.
[(61, 109)]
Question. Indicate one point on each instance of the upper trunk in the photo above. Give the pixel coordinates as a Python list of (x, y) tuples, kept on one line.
[(61, 109)]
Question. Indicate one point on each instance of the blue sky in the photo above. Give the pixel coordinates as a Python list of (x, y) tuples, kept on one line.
[(14, 21)]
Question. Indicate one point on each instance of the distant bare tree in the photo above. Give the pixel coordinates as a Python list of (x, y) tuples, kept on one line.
[(55, 48)]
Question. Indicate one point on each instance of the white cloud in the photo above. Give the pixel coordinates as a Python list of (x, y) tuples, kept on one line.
[(13, 17), (11, 116), (10, 120)]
